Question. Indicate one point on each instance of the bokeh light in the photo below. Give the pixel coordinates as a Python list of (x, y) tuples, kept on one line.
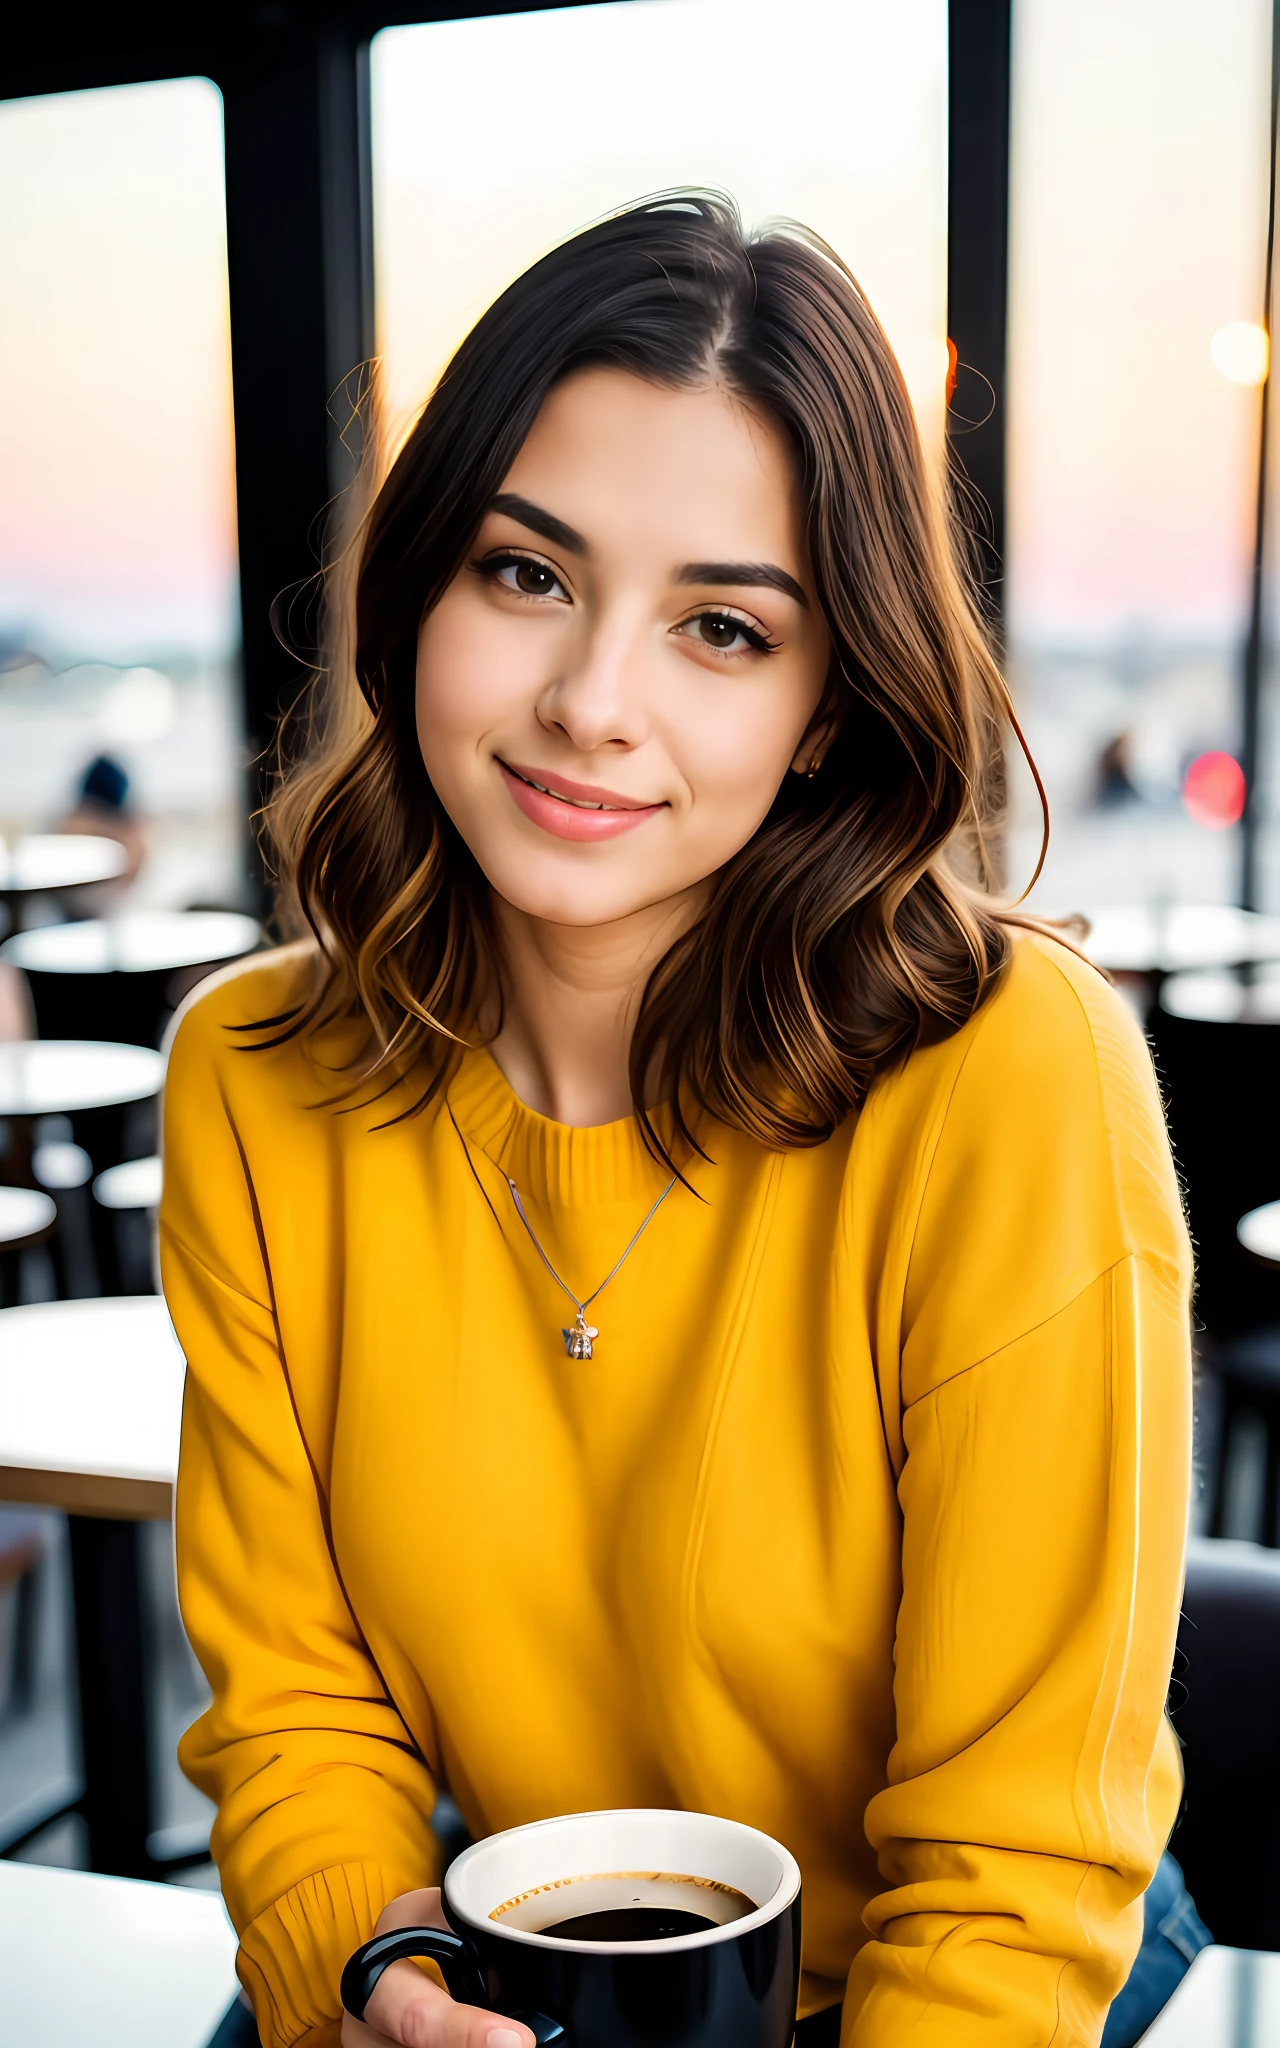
[(1213, 791), (1242, 351)]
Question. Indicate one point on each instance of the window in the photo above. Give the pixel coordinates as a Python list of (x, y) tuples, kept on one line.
[(494, 138), (118, 603), (1139, 183)]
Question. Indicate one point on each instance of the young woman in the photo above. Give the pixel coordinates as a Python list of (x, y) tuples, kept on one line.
[(685, 1298)]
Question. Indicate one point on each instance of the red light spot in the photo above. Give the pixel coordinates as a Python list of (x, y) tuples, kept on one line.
[(1213, 791), (953, 365)]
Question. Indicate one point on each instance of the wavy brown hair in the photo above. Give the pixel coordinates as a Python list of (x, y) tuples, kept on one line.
[(858, 920)]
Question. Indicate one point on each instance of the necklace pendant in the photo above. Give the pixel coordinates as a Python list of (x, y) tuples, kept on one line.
[(577, 1341)]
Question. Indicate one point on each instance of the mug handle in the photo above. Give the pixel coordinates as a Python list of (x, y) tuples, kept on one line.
[(459, 1966)]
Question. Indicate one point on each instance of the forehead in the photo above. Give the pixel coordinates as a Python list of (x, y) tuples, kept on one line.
[(688, 475)]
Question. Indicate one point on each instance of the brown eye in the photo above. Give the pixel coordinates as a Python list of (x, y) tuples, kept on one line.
[(524, 576), (724, 633), (534, 579)]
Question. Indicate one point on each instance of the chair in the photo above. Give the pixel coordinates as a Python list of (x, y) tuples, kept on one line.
[(1225, 1704), (130, 1194), (1216, 1041), (22, 1542)]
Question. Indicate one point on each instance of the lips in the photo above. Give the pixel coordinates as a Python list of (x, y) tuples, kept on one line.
[(574, 810)]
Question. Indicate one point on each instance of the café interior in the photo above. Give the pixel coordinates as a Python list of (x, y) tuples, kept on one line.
[(217, 223)]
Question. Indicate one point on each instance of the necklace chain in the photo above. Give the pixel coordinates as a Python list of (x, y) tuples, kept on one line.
[(578, 1341)]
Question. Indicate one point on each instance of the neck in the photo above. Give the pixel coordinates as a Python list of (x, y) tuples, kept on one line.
[(571, 996)]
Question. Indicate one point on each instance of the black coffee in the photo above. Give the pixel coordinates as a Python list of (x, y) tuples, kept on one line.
[(631, 1923), (624, 1905)]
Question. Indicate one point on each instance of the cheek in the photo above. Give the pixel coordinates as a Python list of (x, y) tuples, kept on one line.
[(735, 745), (471, 669)]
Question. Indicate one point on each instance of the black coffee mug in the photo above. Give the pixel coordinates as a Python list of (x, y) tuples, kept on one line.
[(732, 1983)]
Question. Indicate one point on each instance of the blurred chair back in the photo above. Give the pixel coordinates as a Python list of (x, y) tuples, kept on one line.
[(1225, 1702), (1216, 1042)]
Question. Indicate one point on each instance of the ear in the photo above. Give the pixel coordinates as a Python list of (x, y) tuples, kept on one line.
[(818, 735)]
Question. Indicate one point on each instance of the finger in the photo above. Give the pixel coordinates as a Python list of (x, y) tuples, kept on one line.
[(410, 2010), (356, 2034), (413, 1909)]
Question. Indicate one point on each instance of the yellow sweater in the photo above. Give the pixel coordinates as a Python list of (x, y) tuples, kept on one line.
[(864, 1525)]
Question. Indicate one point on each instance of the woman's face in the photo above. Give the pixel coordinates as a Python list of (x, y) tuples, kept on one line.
[(632, 656)]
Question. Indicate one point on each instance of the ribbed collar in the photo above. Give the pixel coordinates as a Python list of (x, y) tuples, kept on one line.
[(550, 1162)]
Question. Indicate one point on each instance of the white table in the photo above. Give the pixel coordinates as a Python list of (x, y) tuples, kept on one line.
[(1222, 998), (57, 1076), (48, 863), (1259, 1232), (134, 1184), (90, 1413), (137, 942), (1229, 1998), (100, 1962), (91, 1406), (25, 1213), (69, 1077), (1140, 938)]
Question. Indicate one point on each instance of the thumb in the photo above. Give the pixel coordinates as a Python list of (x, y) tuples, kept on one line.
[(406, 2007)]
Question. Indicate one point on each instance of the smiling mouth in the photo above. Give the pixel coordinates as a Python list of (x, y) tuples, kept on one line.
[(576, 803)]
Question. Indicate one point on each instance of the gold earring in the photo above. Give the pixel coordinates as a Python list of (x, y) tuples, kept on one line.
[(812, 770)]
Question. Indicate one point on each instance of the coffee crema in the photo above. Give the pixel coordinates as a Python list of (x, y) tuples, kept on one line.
[(624, 1905)]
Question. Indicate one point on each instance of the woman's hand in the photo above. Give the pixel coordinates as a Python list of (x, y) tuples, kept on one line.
[(409, 2010)]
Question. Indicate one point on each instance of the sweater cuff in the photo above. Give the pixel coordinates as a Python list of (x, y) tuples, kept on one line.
[(292, 1956)]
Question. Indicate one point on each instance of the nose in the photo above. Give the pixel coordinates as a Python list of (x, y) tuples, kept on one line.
[(598, 698)]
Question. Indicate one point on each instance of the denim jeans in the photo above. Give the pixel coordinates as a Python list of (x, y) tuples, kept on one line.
[(1173, 1935)]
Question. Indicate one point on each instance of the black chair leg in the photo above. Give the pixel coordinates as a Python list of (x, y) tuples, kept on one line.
[(22, 1684)]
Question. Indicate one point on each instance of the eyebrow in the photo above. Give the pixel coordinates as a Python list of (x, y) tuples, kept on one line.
[(557, 531), (748, 575), (754, 575)]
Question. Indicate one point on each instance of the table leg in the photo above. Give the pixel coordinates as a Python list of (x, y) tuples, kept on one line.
[(116, 1802)]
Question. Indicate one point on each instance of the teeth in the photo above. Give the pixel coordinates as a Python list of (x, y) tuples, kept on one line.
[(577, 802)]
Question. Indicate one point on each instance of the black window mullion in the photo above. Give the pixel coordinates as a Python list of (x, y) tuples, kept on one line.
[(978, 49)]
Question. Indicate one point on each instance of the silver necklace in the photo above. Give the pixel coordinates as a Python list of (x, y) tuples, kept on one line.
[(579, 1340)]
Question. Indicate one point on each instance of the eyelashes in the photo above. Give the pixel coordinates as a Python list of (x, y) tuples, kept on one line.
[(533, 580), (536, 572), (715, 617)]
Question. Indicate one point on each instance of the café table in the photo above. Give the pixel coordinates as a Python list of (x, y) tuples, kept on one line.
[(59, 1076), (87, 1079), (90, 1411), (26, 1215), (105, 1962), (1259, 1233), (134, 1184), (122, 975), (1222, 997), (1159, 939), (50, 863), (1229, 1998), (27, 1218)]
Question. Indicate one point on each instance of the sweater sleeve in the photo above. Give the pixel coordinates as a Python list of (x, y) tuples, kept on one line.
[(1045, 1406), (323, 1801)]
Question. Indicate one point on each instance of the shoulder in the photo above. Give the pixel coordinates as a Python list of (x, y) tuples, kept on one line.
[(1054, 1070), (231, 1051), (1041, 1128), (1055, 1034), (1052, 1040), (239, 1005)]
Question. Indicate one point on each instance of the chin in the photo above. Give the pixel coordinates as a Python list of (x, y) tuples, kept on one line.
[(568, 906), (562, 896)]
